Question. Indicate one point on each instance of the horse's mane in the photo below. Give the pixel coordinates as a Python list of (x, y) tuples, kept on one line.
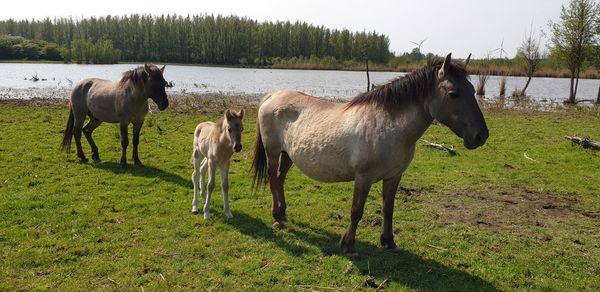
[(418, 84), (138, 74)]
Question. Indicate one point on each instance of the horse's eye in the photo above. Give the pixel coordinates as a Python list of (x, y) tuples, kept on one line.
[(452, 94)]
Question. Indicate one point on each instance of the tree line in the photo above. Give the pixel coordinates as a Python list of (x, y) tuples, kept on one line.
[(205, 39)]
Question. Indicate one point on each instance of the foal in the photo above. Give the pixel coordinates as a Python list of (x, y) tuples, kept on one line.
[(215, 142)]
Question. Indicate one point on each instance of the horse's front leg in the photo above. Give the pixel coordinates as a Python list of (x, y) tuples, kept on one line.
[(390, 188), (362, 185), (124, 143), (211, 187), (137, 128), (225, 188)]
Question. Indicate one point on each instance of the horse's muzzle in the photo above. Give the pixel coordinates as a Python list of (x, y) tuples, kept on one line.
[(237, 148), (476, 140)]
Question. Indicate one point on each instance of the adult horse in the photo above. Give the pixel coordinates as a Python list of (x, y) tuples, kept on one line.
[(123, 102), (368, 139)]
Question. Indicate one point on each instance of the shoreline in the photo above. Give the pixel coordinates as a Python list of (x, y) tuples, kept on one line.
[(589, 73), (216, 103)]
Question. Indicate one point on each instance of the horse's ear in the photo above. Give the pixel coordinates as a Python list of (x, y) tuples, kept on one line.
[(467, 60), (228, 115), (445, 66), (163, 68), (147, 69), (241, 114)]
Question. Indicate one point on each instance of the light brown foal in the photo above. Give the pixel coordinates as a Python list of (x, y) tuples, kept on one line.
[(214, 144)]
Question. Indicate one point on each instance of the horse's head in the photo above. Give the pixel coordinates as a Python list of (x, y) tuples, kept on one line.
[(454, 105), (154, 85), (234, 126)]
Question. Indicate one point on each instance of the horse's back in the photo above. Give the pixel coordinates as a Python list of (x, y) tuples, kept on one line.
[(306, 127), (206, 134)]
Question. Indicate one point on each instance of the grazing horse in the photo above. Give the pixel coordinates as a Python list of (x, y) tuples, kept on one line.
[(215, 143), (368, 139), (123, 102)]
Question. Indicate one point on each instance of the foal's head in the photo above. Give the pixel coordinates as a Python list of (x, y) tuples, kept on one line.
[(234, 126), (453, 103), (151, 81)]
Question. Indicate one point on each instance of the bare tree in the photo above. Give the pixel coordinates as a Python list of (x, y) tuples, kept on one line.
[(572, 35), (531, 57)]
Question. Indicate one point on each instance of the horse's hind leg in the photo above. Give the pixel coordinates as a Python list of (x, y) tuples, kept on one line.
[(77, 129), (87, 131), (285, 163), (196, 158), (274, 184)]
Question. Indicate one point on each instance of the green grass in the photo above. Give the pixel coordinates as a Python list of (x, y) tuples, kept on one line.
[(486, 219)]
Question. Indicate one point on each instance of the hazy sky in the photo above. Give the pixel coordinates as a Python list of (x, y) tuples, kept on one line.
[(457, 26)]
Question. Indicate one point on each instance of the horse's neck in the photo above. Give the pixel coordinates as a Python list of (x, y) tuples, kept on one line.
[(411, 121), (223, 137), (134, 93)]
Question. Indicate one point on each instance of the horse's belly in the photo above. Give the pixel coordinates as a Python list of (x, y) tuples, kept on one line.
[(323, 167), (104, 111)]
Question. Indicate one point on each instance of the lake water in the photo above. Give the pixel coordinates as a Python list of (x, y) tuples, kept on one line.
[(60, 78)]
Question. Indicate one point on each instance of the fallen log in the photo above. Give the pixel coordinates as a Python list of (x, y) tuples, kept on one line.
[(584, 142), (442, 147)]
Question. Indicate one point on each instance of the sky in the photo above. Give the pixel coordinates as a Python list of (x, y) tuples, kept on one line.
[(460, 27)]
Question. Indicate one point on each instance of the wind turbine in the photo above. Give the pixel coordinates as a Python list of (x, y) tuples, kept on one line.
[(419, 44), (501, 49)]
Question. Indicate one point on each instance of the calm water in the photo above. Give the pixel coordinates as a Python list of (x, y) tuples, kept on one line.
[(60, 78)]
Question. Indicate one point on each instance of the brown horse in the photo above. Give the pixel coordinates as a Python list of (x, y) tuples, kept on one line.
[(369, 139), (123, 102)]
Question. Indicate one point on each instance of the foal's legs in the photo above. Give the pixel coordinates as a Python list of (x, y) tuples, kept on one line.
[(87, 131), (198, 164), (77, 128), (362, 185), (212, 169), (137, 127), (124, 143), (390, 187), (225, 188)]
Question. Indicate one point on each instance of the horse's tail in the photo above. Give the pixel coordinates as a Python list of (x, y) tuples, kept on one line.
[(259, 163), (68, 135), (195, 151)]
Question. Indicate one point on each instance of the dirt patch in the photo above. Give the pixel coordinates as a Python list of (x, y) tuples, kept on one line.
[(514, 209)]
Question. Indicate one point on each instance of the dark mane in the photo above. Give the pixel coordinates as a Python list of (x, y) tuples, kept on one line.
[(138, 75), (420, 83)]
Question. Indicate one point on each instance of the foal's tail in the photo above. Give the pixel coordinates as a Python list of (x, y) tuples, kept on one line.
[(66, 142), (259, 163)]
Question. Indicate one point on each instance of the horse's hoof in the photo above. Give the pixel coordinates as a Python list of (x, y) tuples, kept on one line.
[(195, 212), (83, 160), (206, 215), (138, 163), (279, 225), (123, 164), (394, 250), (229, 215), (353, 255)]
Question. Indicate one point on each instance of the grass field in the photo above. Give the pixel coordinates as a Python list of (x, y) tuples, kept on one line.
[(487, 219)]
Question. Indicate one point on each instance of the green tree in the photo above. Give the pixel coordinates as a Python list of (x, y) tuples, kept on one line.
[(571, 37)]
